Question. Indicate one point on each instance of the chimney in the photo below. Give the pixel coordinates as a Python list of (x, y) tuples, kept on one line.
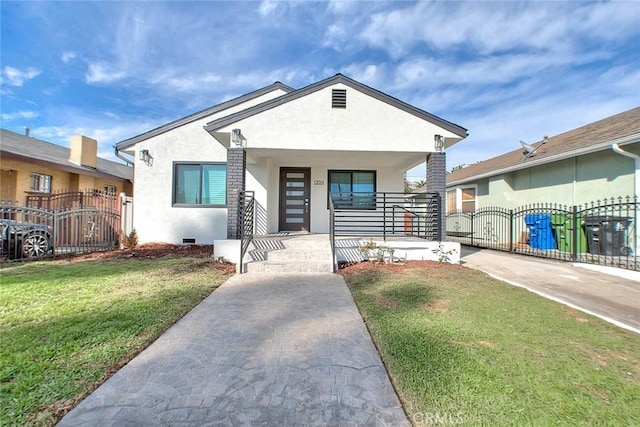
[(84, 151), (27, 131)]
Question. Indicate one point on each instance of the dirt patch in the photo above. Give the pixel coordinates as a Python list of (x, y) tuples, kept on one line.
[(396, 267), (380, 300), (156, 250), (438, 306)]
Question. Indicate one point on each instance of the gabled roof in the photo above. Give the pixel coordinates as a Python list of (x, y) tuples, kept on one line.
[(338, 78), (623, 128), (26, 148), (204, 113)]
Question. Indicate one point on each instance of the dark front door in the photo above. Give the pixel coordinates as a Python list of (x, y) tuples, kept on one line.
[(295, 186)]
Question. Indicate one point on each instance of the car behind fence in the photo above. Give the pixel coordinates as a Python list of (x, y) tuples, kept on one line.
[(32, 232), (604, 232)]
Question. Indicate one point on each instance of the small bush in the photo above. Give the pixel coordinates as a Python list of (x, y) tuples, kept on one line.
[(130, 241)]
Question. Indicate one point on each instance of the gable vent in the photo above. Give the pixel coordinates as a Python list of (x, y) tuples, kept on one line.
[(339, 98)]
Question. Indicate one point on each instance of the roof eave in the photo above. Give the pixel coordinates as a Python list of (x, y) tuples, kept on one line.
[(629, 139), (338, 78), (130, 142), (65, 167)]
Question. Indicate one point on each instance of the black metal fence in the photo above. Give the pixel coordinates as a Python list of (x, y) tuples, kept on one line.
[(385, 215), (604, 232), (28, 232), (246, 208)]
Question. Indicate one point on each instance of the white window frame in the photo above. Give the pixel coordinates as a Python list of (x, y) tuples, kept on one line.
[(41, 183), (458, 190), (110, 189)]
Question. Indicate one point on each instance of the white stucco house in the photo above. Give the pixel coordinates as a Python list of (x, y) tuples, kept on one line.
[(291, 148)]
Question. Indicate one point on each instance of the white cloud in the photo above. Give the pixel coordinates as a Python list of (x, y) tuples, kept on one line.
[(13, 77), (100, 73), (500, 27), (267, 6), (68, 56), (19, 115), (193, 83)]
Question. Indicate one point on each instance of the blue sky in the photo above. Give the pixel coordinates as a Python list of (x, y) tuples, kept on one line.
[(507, 71)]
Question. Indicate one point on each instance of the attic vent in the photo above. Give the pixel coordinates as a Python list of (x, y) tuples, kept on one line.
[(339, 98)]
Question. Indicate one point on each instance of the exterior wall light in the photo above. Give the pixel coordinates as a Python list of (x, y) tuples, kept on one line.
[(146, 157), (238, 139), (438, 142)]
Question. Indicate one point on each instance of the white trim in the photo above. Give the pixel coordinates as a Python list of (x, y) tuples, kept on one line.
[(458, 189), (566, 155)]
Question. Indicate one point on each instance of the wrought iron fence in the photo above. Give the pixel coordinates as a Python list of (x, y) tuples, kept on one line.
[(28, 232), (70, 199), (604, 232), (246, 204), (385, 214)]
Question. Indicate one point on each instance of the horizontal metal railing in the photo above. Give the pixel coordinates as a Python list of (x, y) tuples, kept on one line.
[(385, 214), (604, 232)]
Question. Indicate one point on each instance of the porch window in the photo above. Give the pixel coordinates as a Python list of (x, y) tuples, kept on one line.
[(353, 189), (40, 183), (200, 184)]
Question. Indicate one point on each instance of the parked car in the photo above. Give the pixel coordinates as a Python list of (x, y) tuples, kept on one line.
[(24, 239)]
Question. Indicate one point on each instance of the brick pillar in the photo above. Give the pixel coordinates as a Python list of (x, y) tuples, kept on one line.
[(236, 165), (437, 182)]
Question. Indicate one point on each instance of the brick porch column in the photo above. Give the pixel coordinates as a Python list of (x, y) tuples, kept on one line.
[(437, 182), (236, 165)]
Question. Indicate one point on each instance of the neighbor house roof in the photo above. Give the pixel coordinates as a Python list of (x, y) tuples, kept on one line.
[(623, 128), (200, 114), (25, 148), (338, 78)]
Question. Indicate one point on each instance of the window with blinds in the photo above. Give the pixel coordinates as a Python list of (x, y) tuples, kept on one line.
[(200, 184), (353, 189)]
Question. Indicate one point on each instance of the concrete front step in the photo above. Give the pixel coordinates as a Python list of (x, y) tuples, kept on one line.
[(290, 267), (299, 254)]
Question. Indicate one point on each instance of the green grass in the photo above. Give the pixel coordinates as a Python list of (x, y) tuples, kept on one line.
[(463, 347), (66, 327)]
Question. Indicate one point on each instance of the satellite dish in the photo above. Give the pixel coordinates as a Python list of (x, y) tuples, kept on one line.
[(528, 149)]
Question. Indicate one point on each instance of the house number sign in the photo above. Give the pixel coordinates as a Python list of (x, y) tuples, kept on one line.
[(318, 182)]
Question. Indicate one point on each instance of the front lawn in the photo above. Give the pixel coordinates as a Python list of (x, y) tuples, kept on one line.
[(67, 326), (463, 348)]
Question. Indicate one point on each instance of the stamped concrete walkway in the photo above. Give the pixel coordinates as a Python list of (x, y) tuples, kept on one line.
[(263, 349)]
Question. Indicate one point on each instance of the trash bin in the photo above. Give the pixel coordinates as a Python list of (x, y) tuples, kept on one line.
[(540, 232), (563, 227), (607, 235)]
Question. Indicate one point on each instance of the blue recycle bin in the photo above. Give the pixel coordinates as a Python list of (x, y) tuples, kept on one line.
[(540, 232)]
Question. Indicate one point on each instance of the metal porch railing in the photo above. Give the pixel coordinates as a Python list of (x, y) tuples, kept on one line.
[(245, 224), (385, 214)]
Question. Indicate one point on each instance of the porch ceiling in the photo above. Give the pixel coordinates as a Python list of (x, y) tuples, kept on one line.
[(342, 159)]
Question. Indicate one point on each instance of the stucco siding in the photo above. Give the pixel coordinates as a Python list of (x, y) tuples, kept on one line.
[(366, 124), (576, 180), (155, 219)]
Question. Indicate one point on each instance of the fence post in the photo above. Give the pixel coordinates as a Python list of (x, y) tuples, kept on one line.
[(473, 214), (575, 233), (55, 233), (510, 230)]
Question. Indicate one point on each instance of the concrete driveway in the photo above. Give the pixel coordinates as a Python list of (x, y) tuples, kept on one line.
[(609, 293)]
